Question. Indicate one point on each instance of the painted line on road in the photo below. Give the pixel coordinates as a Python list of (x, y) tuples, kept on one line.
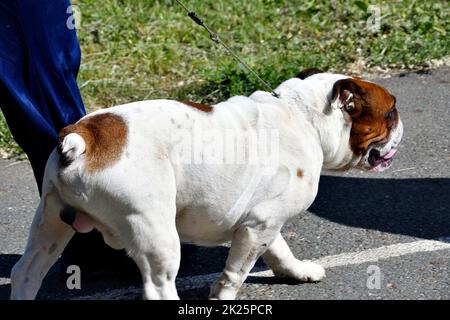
[(382, 253), (339, 260)]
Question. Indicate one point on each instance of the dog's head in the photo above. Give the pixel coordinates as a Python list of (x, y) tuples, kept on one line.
[(371, 111), (376, 128)]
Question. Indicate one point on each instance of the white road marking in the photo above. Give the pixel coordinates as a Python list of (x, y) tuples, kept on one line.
[(382, 253), (405, 169), (344, 259)]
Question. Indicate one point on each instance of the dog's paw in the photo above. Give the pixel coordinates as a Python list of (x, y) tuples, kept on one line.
[(310, 271), (224, 289), (303, 271)]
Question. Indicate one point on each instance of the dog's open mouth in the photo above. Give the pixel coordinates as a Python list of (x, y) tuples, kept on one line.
[(380, 163)]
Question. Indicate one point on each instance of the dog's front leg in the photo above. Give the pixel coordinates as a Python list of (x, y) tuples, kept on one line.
[(48, 238), (283, 263), (247, 245)]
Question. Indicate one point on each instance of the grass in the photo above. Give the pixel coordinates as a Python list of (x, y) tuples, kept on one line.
[(143, 49), (8, 147)]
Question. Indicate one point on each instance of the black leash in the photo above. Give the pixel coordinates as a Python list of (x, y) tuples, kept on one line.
[(215, 38)]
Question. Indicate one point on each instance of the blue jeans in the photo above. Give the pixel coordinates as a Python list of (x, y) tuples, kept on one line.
[(39, 61)]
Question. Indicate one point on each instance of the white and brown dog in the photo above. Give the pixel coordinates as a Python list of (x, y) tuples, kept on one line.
[(132, 173)]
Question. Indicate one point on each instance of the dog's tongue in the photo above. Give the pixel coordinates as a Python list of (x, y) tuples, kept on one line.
[(390, 154), (385, 161)]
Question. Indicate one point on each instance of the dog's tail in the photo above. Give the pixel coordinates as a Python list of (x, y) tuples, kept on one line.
[(72, 142)]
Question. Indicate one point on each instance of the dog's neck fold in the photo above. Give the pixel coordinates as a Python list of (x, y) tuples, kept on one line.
[(311, 98)]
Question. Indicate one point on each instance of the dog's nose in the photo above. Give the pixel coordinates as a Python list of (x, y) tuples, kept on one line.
[(68, 215)]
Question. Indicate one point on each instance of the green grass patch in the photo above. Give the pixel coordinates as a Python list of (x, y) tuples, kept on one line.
[(144, 49), (136, 50), (8, 147)]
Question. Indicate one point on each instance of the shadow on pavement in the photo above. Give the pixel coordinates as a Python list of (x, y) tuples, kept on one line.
[(110, 271), (412, 207), (7, 261)]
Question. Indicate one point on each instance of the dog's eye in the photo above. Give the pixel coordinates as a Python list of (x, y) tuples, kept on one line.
[(390, 115)]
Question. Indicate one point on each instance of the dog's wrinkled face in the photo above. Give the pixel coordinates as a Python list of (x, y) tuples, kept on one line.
[(376, 128)]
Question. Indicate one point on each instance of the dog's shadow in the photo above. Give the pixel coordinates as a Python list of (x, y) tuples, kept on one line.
[(412, 207), (7, 261)]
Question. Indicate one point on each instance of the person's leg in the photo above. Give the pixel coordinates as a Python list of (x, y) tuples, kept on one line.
[(28, 124), (39, 62), (55, 56)]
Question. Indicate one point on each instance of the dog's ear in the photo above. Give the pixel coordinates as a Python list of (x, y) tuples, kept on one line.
[(345, 93), (308, 72)]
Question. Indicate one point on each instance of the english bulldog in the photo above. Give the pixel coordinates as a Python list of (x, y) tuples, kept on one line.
[(151, 174)]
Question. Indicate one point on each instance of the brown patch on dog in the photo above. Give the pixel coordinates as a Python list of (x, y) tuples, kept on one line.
[(373, 115), (105, 136), (199, 106), (300, 173)]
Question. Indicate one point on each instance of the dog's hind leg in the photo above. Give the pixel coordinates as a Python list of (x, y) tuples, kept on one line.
[(283, 263), (48, 237), (151, 239)]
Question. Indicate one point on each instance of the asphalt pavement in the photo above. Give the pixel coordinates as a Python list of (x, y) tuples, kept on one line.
[(379, 235)]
